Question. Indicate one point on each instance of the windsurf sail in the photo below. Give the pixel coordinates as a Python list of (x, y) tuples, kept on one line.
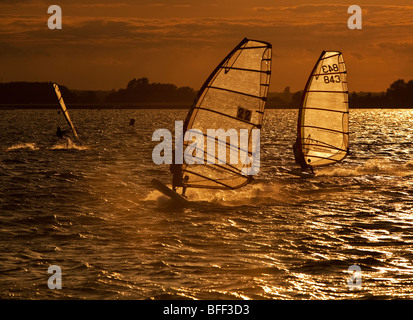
[(323, 119), (64, 110), (232, 98)]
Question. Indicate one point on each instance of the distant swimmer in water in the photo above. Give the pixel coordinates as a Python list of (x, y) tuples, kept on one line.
[(177, 179), (299, 157), (61, 133)]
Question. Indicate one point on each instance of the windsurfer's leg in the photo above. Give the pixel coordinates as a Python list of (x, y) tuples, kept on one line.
[(175, 183)]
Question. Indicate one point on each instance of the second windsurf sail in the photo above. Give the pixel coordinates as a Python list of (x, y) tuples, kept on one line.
[(323, 119)]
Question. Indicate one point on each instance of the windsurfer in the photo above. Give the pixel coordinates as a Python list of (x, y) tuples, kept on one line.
[(177, 180), (60, 133), (299, 157)]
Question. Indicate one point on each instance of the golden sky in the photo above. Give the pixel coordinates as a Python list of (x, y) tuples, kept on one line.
[(104, 44)]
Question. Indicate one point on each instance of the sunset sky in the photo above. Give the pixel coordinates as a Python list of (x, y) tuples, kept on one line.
[(104, 44)]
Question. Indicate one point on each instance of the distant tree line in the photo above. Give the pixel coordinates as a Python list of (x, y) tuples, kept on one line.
[(285, 99), (137, 91), (399, 94), (32, 93), (141, 90)]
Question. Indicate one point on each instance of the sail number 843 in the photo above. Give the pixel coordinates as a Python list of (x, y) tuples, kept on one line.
[(331, 78), (330, 68)]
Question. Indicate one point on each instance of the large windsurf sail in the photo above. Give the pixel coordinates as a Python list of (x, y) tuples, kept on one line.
[(232, 98), (64, 110), (323, 130)]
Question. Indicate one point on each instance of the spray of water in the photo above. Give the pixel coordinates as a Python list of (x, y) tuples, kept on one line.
[(23, 145)]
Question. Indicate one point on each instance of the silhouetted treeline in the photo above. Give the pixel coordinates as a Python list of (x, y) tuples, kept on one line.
[(141, 90), (30, 93), (41, 93), (137, 91), (285, 99), (398, 95)]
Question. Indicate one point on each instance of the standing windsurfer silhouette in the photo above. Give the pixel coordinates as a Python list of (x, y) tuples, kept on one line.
[(299, 157), (60, 133), (177, 179)]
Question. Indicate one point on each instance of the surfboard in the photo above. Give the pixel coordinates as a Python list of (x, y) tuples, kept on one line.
[(158, 185), (297, 172)]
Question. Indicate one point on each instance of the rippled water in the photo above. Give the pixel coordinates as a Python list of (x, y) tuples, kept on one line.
[(90, 209)]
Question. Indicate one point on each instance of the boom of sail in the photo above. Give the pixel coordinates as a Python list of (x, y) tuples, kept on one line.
[(323, 130), (233, 100), (64, 110)]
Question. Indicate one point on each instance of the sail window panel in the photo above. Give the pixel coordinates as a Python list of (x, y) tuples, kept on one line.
[(329, 54), (322, 139), (317, 159), (328, 82), (345, 126), (332, 145), (329, 60), (335, 59), (327, 100), (218, 121), (233, 156), (229, 103), (264, 87), (324, 119), (247, 58), (266, 75), (212, 176), (242, 81), (325, 126), (254, 44)]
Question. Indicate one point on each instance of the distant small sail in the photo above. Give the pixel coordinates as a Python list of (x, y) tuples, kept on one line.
[(233, 97), (64, 110), (323, 119)]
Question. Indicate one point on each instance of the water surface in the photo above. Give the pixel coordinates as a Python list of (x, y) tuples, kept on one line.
[(91, 210)]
